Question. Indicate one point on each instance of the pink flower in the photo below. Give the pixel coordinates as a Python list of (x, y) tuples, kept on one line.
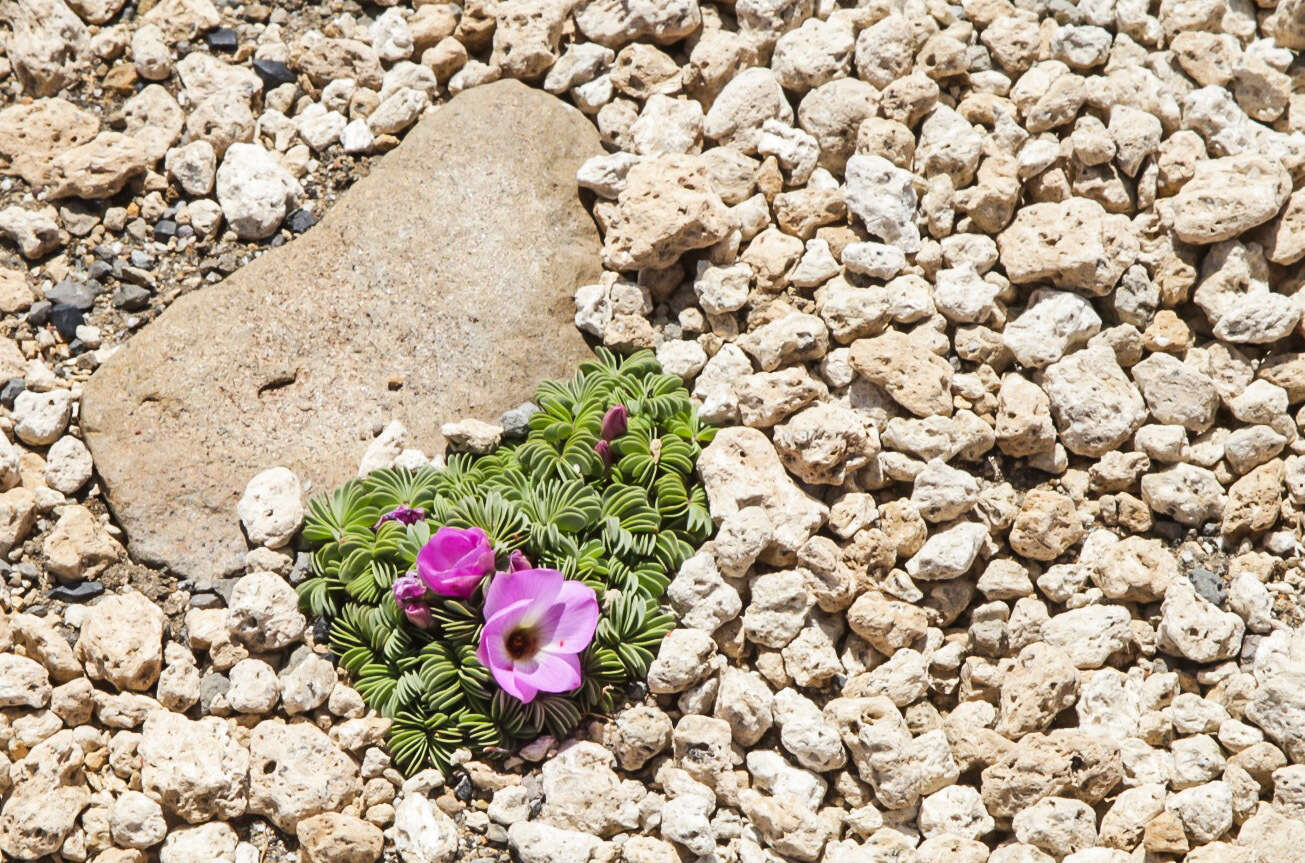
[(410, 596), (604, 450), (536, 625), (454, 561), (518, 561)]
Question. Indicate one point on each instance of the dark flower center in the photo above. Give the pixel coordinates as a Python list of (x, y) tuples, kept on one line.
[(522, 643)]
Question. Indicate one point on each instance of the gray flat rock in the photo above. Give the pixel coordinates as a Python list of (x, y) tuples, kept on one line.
[(438, 287)]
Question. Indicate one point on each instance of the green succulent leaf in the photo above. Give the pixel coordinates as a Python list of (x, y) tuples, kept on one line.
[(622, 529)]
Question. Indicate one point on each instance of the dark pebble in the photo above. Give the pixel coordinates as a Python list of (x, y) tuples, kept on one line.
[(100, 270), (66, 320), (70, 292), (206, 600), (300, 220), (164, 229), (79, 592), (322, 630), (133, 298), (9, 392), (1208, 584), (516, 422), (274, 73), (222, 39), (462, 790), (39, 313)]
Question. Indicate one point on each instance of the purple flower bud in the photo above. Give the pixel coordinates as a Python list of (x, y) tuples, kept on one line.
[(409, 588), (418, 614), (403, 515), (604, 450), (517, 561), (410, 595), (615, 422)]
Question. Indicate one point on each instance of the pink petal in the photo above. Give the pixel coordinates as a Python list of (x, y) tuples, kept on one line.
[(569, 623), (549, 672), (492, 650), (515, 685), (539, 586)]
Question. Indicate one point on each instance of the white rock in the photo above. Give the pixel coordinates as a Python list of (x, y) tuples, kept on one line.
[(255, 191), (1193, 628), (948, 553), (272, 509), (423, 833), (701, 597), (883, 197), (193, 167), (40, 418), (68, 465), (1053, 324), (263, 612), (214, 842), (137, 821)]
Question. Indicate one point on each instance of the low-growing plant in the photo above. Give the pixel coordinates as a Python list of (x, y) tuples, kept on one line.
[(409, 565)]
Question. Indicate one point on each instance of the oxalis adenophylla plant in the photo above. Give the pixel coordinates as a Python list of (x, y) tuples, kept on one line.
[(509, 594)]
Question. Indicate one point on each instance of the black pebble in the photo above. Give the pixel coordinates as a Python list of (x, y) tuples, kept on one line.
[(300, 220), (462, 790), (274, 73), (79, 592), (66, 320), (9, 392), (163, 229), (133, 298), (70, 292), (222, 39), (322, 630)]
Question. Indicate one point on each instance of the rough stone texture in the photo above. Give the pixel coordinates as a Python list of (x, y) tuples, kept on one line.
[(402, 291)]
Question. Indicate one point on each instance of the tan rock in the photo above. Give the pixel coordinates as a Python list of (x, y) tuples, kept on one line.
[(1047, 525), (99, 168), (196, 768), (1135, 569), (1041, 684), (121, 641), (15, 294), (1024, 425), (887, 624), (335, 838), (740, 468), (918, 380), (79, 547), (32, 135), (324, 60), (1254, 501), (669, 207), (49, 793), (1074, 244), (1095, 405), (179, 513), (1061, 763), (296, 772), (1228, 196)]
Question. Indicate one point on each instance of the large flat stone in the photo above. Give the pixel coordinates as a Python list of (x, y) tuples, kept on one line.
[(438, 287)]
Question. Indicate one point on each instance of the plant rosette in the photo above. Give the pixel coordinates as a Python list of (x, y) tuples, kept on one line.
[(507, 595)]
